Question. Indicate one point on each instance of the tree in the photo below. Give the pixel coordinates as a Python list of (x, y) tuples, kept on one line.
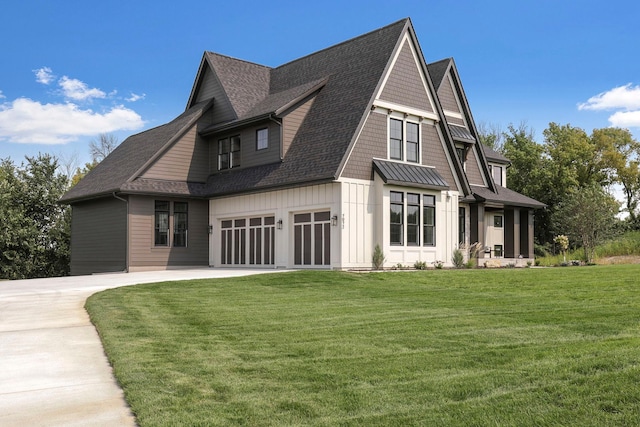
[(102, 147), (587, 214), (34, 228), (491, 135), (620, 157)]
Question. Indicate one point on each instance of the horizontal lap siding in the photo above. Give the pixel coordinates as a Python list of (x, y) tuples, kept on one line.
[(145, 254), (447, 96), (292, 122), (98, 236), (433, 154), (186, 160)]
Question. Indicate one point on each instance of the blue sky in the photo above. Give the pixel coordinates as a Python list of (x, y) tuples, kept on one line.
[(73, 69)]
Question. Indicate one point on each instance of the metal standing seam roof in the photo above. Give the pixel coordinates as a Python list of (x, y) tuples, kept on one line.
[(409, 175), (461, 134)]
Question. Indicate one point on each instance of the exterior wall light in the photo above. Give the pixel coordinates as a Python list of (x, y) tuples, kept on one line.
[(334, 220), (210, 229), (279, 224)]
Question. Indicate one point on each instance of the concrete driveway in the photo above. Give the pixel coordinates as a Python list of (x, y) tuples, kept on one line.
[(53, 370)]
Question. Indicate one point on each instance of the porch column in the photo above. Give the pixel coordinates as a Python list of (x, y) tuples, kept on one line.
[(511, 233), (526, 233), (477, 229)]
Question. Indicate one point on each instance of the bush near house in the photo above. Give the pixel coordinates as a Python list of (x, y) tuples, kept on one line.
[(526, 347)]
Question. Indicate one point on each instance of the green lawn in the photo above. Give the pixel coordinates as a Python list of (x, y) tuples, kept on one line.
[(505, 347)]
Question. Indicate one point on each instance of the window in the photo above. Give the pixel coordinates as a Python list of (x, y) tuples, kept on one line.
[(395, 139), (497, 251), (262, 139), (180, 224), (161, 223), (497, 174), (396, 218), (229, 153), (404, 140), (412, 142), (413, 219), (164, 222), (497, 221), (429, 228), (462, 238)]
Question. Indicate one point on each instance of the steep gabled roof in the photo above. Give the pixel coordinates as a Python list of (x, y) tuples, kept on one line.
[(347, 75), (131, 156)]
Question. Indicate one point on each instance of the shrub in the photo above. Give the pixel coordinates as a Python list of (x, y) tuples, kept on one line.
[(458, 258), (438, 264), (420, 265), (378, 258)]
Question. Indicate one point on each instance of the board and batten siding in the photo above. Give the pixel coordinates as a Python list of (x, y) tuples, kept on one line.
[(357, 223), (145, 255), (98, 236), (185, 160), (282, 204)]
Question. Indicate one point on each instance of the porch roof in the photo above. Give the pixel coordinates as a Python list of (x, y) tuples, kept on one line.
[(409, 175), (505, 197)]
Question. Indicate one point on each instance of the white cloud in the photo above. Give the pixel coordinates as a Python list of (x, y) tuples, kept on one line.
[(625, 98), (625, 119), (2, 95), (28, 121), (44, 75), (79, 91), (135, 97)]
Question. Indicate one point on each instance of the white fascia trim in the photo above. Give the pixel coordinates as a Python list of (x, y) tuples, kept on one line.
[(455, 95), (380, 106), (453, 114)]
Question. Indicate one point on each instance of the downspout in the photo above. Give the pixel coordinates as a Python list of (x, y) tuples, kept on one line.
[(126, 242)]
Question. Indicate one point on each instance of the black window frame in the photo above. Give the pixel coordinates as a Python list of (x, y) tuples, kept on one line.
[(396, 211), (229, 152), (413, 219), (415, 145), (180, 224), (498, 221), (162, 214), (395, 139), (429, 212)]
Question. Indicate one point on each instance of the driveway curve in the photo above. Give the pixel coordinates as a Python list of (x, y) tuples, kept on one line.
[(53, 369)]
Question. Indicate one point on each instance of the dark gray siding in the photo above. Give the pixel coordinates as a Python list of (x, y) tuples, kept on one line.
[(474, 175), (211, 88), (98, 236), (371, 143), (249, 154), (405, 85), (143, 252)]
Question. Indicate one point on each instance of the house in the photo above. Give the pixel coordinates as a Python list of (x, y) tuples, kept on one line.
[(307, 165)]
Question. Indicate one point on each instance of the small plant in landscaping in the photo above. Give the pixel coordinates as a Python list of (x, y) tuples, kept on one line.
[(438, 264), (420, 265), (458, 258), (378, 258), (563, 242)]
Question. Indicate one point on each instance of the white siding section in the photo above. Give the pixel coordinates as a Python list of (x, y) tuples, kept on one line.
[(357, 223), (282, 204)]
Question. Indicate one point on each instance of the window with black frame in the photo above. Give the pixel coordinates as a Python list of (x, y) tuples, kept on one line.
[(396, 229), (180, 223)]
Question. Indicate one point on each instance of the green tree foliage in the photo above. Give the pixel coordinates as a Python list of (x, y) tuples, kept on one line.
[(588, 215), (34, 228)]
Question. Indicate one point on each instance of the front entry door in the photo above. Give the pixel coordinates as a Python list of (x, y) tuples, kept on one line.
[(312, 239)]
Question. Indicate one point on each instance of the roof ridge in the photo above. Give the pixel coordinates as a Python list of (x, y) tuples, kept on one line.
[(341, 43), (209, 52)]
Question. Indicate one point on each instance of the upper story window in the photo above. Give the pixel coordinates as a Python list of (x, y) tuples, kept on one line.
[(229, 152), (496, 171), (404, 140), (262, 139)]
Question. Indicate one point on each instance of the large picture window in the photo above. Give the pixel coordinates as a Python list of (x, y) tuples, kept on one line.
[(396, 218), (229, 153)]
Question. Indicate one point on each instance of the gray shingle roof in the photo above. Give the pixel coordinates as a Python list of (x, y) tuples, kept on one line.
[(409, 175), (504, 196), (437, 71), (494, 156), (132, 154)]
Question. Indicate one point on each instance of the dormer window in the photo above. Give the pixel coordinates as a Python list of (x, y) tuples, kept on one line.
[(496, 171), (404, 140), (229, 153), (460, 151)]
